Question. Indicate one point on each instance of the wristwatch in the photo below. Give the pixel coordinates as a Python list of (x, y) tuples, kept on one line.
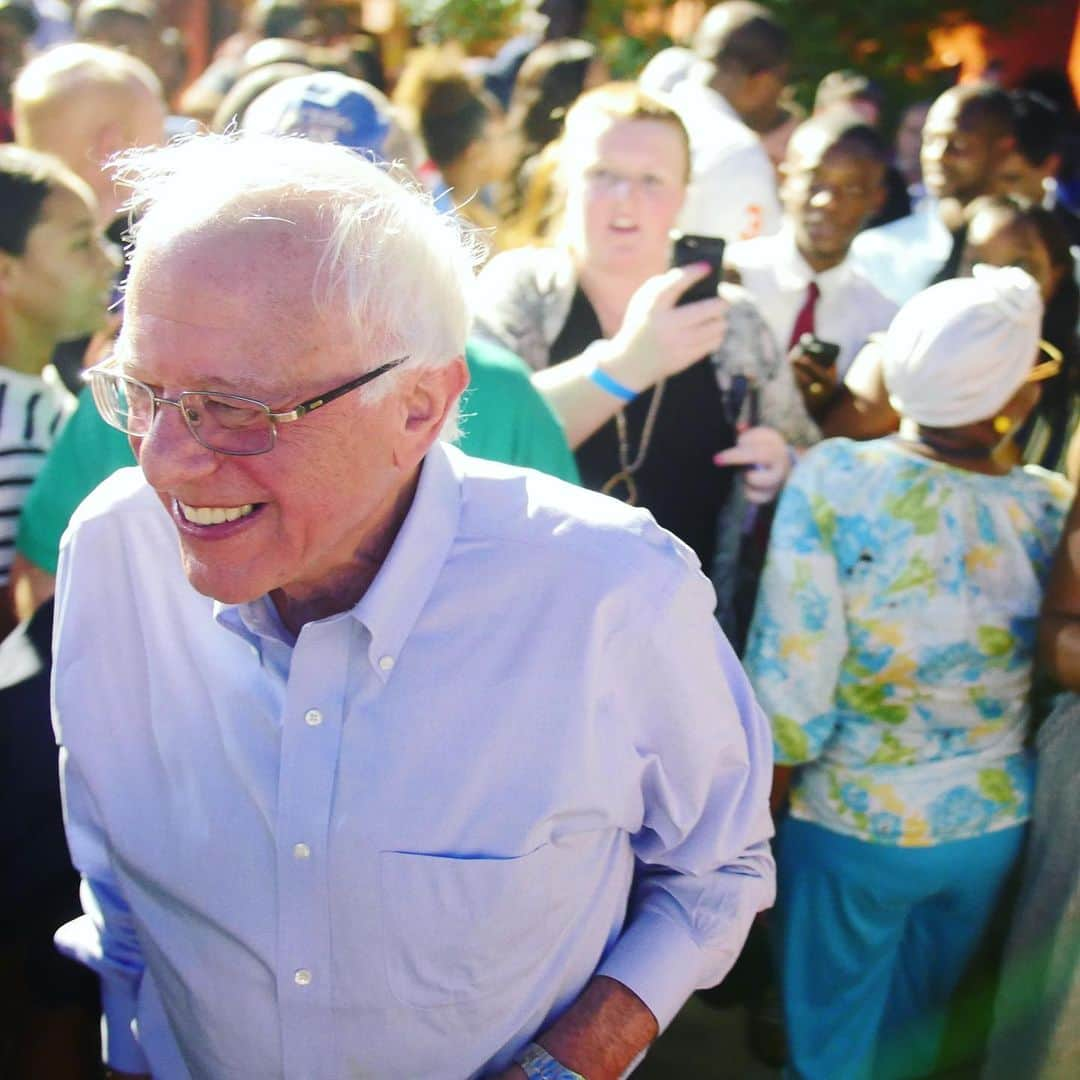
[(538, 1064)]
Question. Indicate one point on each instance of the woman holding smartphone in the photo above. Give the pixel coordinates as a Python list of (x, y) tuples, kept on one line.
[(654, 395)]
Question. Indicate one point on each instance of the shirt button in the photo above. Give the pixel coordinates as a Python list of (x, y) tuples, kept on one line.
[(386, 662), (302, 977), (313, 718), (301, 851)]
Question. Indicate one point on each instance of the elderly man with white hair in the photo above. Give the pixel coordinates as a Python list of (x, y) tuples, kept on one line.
[(378, 760)]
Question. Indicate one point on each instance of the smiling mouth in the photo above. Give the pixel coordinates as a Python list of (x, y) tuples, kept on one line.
[(214, 515)]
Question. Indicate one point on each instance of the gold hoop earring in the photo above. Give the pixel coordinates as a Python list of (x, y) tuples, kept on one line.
[(1003, 425)]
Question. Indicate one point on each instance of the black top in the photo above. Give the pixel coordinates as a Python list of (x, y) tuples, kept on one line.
[(678, 481)]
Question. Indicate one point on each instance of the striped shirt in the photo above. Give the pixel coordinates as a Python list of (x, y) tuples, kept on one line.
[(32, 408)]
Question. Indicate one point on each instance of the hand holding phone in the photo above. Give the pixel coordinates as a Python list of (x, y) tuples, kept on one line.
[(690, 249), (814, 364)]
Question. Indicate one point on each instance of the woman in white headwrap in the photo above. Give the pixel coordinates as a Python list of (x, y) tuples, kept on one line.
[(892, 648)]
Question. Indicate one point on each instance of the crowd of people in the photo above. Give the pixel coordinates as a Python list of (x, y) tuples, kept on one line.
[(854, 403)]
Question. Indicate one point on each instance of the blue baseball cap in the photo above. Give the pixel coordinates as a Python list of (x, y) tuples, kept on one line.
[(328, 107)]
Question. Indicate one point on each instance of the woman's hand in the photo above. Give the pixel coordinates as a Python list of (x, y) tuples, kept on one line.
[(657, 337), (766, 453)]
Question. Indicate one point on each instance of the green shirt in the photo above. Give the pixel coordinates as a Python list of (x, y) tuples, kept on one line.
[(502, 419)]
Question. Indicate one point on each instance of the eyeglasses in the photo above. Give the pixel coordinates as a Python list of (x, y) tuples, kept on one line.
[(224, 423), (1046, 369)]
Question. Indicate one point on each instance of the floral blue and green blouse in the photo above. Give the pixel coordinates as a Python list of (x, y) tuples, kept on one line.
[(893, 639)]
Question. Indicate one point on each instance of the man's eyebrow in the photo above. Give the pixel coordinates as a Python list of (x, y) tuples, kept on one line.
[(252, 388)]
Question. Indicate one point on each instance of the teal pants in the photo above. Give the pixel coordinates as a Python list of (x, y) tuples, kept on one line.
[(871, 941)]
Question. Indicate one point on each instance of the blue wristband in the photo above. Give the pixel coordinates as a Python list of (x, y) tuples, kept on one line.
[(612, 386)]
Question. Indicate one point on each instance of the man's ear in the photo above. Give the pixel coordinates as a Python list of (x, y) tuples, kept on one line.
[(109, 139), (431, 396)]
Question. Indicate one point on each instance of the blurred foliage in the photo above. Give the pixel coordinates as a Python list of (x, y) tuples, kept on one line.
[(885, 39), (470, 23)]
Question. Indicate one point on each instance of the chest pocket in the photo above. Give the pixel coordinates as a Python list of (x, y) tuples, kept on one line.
[(460, 929)]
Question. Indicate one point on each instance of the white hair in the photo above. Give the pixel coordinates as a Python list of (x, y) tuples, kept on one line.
[(400, 272)]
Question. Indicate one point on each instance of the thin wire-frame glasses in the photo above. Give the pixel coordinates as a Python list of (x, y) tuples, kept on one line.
[(225, 423)]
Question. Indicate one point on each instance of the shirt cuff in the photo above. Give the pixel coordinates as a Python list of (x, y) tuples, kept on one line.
[(120, 1048), (659, 961)]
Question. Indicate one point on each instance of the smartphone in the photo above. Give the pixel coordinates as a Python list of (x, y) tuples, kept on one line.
[(695, 249), (821, 352)]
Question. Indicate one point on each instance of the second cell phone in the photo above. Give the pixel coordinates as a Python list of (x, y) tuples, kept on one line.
[(823, 353), (690, 249)]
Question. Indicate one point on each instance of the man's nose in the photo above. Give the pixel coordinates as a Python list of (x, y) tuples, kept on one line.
[(169, 453)]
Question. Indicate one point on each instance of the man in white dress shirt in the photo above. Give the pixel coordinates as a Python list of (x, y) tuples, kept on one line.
[(742, 67), (405, 764), (802, 278), (967, 138)]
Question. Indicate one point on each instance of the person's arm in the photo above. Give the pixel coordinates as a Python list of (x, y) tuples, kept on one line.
[(103, 939), (766, 449), (677, 702), (31, 586), (860, 407), (657, 338), (600, 1035), (1059, 627)]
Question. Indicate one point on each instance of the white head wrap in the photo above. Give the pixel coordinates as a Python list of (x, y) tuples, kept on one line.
[(958, 351)]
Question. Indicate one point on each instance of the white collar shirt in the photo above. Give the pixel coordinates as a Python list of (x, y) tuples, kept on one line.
[(849, 307), (732, 192), (403, 842), (902, 257)]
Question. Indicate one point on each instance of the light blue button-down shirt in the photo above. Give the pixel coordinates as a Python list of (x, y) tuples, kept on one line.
[(400, 844)]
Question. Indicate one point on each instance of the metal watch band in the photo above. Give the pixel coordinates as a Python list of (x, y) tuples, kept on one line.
[(538, 1064)]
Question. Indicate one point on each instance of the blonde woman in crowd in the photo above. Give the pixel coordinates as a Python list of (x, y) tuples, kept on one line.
[(657, 398)]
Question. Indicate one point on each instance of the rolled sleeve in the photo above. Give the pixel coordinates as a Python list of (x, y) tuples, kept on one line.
[(704, 752)]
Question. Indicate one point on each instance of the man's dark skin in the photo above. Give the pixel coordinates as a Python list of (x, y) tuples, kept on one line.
[(964, 143), (739, 28), (833, 184)]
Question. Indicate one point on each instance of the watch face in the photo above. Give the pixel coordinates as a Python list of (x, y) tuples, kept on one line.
[(538, 1064)]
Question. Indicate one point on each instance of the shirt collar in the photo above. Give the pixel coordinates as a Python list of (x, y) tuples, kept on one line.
[(794, 272), (393, 602)]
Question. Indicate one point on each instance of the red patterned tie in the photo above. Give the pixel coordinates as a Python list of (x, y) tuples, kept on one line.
[(804, 321)]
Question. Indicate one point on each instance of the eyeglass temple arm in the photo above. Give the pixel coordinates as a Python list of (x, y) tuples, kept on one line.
[(311, 405)]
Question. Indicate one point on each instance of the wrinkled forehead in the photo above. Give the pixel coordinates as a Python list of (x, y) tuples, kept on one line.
[(252, 284), (257, 254)]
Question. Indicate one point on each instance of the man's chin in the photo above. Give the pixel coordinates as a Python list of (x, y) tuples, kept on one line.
[(222, 586)]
